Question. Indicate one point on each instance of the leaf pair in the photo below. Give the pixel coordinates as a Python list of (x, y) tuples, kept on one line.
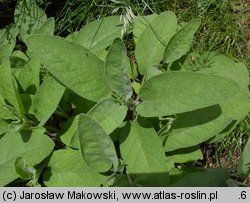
[(179, 92), (90, 134), (97, 155), (158, 40), (141, 151)]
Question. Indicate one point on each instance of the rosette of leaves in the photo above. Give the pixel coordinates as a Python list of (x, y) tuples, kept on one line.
[(117, 122)]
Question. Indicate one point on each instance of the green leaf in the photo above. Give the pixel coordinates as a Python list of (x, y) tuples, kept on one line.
[(48, 28), (5, 113), (17, 126), (16, 65), (47, 99), (29, 77), (140, 24), (179, 92), (27, 101), (69, 132), (225, 132), (218, 64), (25, 171), (72, 36), (66, 60), (99, 35), (116, 70), (21, 55), (33, 146), (97, 147), (72, 101), (238, 106), (149, 122), (120, 181), (7, 41), (192, 128), (151, 45), (143, 155), (4, 125), (118, 132), (28, 17), (180, 43), (213, 63), (108, 114), (244, 162), (183, 155), (67, 169), (136, 86), (8, 86), (152, 71), (208, 178)]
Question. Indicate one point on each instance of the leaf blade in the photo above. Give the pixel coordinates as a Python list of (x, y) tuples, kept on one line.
[(180, 43), (208, 178), (151, 45), (138, 150), (96, 146), (192, 128), (67, 169), (28, 17), (179, 92), (103, 32), (66, 60), (8, 86), (33, 146), (47, 99), (116, 70), (108, 114)]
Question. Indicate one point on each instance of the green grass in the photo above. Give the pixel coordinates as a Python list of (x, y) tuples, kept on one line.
[(223, 25), (74, 14)]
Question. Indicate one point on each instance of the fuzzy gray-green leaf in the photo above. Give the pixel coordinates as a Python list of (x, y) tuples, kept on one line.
[(47, 99), (67, 169), (25, 171), (8, 86), (206, 178), (108, 114), (99, 35), (3, 126), (144, 156), (96, 146), (29, 77), (140, 24), (183, 155), (192, 128), (179, 92), (48, 28), (244, 163), (33, 146), (73, 65), (151, 44), (29, 17), (180, 43), (116, 70)]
